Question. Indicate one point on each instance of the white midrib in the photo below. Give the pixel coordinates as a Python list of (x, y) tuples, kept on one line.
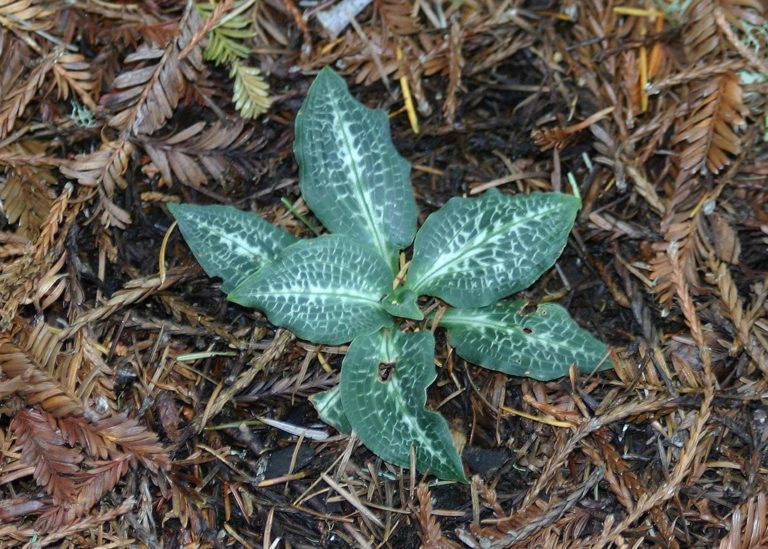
[(357, 186), (476, 322), (238, 242), (343, 295), (410, 420), (467, 251), (388, 354)]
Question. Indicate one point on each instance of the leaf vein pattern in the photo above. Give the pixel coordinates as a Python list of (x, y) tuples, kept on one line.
[(360, 195), (469, 250)]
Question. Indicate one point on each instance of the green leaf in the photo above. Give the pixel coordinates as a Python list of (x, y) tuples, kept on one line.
[(403, 303), (227, 242), (350, 173), (541, 344), (331, 410), (326, 290), (384, 380), (475, 251)]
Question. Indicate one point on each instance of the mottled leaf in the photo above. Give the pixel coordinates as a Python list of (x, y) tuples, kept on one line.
[(350, 173), (326, 290), (403, 303), (542, 344), (331, 410), (475, 251), (384, 380), (228, 242)]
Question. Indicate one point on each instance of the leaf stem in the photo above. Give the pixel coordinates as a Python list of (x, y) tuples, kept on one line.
[(574, 186), (287, 203)]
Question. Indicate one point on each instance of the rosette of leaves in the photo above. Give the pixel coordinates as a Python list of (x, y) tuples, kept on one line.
[(341, 287)]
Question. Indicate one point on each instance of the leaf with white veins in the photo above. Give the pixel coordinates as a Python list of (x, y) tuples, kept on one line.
[(350, 173), (475, 251), (326, 290), (331, 410), (229, 243), (542, 344), (384, 380), (403, 303)]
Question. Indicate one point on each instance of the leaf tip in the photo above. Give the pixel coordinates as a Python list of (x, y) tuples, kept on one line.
[(238, 296), (327, 70), (403, 303), (457, 473), (327, 77), (175, 209)]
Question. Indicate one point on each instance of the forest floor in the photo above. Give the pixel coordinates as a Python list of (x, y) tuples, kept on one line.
[(138, 406)]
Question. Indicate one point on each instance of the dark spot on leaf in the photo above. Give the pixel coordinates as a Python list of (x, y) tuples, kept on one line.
[(527, 330), (386, 369)]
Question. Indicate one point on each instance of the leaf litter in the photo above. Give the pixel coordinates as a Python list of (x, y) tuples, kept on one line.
[(110, 435)]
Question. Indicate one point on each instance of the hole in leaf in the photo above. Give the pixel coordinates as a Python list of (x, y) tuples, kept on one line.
[(527, 330), (386, 369)]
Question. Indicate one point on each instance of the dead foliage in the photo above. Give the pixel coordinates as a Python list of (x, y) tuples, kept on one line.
[(138, 407)]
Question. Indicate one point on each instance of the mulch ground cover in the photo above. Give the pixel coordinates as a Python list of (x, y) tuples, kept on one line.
[(139, 408)]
